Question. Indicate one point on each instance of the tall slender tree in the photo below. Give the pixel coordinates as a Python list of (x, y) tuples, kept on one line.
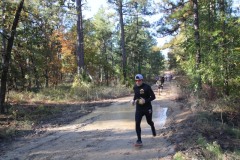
[(197, 42), (124, 57), (119, 5), (80, 38), (7, 55)]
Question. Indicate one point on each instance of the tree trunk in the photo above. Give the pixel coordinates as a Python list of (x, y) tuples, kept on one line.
[(124, 58), (225, 51), (80, 40), (106, 59), (138, 55), (210, 29), (46, 78), (197, 42), (36, 76), (3, 29), (7, 56), (211, 18)]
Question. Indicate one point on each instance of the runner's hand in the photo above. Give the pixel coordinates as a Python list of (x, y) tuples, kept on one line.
[(133, 102), (141, 101)]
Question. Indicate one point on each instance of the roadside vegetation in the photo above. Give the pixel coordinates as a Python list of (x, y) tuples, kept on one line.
[(28, 110), (213, 132)]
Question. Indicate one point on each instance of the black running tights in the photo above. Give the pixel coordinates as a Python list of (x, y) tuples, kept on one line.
[(138, 119)]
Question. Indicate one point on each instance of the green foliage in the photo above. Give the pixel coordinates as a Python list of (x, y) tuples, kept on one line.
[(219, 41), (202, 141), (82, 80), (143, 54), (212, 150), (215, 149), (179, 156), (44, 49)]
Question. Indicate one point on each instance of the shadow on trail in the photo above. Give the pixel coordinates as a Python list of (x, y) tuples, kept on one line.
[(94, 144)]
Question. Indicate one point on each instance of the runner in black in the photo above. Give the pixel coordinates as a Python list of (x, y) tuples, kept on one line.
[(143, 95)]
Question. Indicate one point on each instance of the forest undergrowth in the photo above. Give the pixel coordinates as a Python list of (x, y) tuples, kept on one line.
[(213, 132), (29, 110)]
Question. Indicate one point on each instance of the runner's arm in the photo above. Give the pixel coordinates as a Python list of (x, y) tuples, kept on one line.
[(151, 97)]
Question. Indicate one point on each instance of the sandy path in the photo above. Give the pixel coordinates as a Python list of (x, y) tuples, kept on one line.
[(105, 134)]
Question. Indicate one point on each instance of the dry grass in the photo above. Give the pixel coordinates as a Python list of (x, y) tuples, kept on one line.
[(27, 110)]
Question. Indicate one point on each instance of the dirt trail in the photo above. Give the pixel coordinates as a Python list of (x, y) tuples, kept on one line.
[(106, 133)]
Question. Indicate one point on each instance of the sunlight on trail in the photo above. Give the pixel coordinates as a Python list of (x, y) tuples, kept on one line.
[(121, 116), (159, 117), (106, 133)]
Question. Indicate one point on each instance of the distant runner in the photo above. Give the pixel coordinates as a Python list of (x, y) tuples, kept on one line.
[(159, 84), (143, 95)]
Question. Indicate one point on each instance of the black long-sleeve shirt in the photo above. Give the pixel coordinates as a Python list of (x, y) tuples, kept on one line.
[(144, 91)]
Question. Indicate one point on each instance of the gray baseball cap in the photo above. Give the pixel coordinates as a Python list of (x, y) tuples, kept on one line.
[(138, 77)]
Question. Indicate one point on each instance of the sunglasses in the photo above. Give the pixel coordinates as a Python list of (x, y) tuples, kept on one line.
[(138, 80)]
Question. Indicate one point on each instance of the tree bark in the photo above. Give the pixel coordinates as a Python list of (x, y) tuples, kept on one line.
[(7, 56), (80, 38), (119, 4), (124, 58), (197, 41), (225, 51), (46, 78), (3, 30)]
